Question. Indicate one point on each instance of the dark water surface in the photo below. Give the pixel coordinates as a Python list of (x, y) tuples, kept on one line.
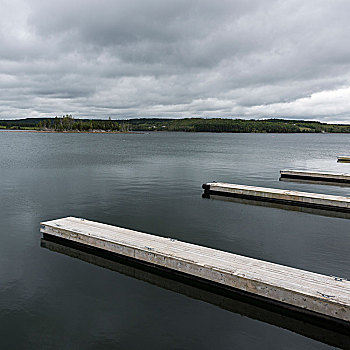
[(152, 183)]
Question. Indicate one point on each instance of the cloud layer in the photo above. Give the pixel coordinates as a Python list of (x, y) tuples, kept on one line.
[(162, 58)]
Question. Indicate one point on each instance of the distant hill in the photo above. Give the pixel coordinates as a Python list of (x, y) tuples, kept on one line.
[(234, 125)]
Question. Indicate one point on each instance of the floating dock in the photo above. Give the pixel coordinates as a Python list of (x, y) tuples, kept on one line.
[(315, 176), (274, 205), (314, 182), (331, 333), (305, 291), (344, 159), (314, 200)]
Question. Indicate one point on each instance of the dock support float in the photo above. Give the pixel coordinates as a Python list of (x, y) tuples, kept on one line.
[(308, 199), (315, 176), (344, 159), (321, 295)]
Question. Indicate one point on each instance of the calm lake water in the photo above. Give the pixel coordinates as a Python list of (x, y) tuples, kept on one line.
[(152, 183)]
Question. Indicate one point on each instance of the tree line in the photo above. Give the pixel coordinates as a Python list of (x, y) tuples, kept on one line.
[(68, 123), (236, 125)]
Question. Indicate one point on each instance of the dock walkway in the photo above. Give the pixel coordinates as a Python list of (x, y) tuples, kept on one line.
[(324, 295)]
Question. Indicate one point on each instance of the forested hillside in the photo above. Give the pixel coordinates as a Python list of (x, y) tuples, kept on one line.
[(68, 123)]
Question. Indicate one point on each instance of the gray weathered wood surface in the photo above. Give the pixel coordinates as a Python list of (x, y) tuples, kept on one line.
[(325, 295)]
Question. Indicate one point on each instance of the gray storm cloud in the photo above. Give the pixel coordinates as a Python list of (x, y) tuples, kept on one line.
[(159, 58)]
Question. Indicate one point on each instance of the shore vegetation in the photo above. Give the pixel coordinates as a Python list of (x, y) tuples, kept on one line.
[(219, 125)]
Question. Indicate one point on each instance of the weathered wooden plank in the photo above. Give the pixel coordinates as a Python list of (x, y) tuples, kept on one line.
[(315, 175), (325, 295), (317, 200)]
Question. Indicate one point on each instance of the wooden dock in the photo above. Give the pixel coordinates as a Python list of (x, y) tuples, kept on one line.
[(344, 159), (308, 199), (281, 206), (331, 333), (315, 176), (315, 182), (310, 292)]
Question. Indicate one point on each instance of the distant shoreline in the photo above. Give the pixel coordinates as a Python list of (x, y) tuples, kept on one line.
[(159, 131), (213, 125), (72, 131)]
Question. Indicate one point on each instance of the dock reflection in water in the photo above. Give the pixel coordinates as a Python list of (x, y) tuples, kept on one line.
[(315, 182), (333, 334), (315, 211)]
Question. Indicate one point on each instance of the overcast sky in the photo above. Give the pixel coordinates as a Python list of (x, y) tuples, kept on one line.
[(179, 58)]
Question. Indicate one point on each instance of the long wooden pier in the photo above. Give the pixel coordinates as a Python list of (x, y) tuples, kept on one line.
[(281, 206), (308, 199), (315, 176), (325, 296), (331, 333), (344, 159)]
